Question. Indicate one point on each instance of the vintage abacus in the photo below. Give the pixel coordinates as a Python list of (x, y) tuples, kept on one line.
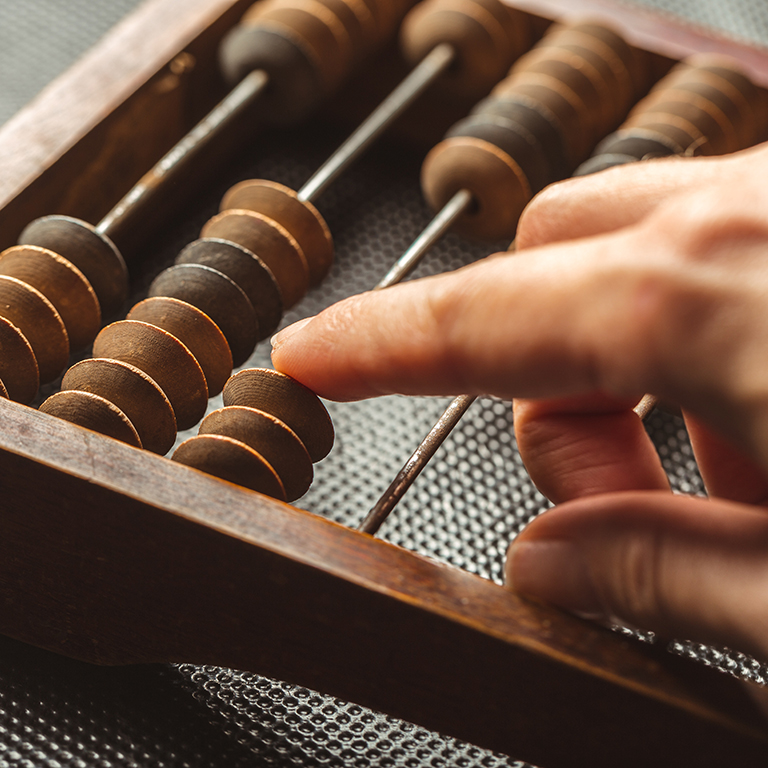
[(102, 541)]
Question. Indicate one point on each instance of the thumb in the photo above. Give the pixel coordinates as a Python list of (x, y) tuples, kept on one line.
[(683, 567)]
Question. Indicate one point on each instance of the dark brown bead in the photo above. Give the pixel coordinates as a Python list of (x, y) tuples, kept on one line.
[(94, 254), (137, 395), (230, 460), (270, 437), (92, 412), (245, 269), (219, 297)]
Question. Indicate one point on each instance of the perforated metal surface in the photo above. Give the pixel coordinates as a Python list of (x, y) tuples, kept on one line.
[(464, 509)]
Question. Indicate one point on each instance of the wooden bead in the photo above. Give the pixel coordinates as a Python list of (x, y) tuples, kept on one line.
[(162, 357), (689, 120), (546, 92), (537, 120), (300, 218), (245, 269), (92, 412), (94, 254), (484, 52), (515, 141), (387, 14), (319, 30), (63, 284), (580, 76), (628, 146), (219, 297), (271, 242), (358, 24), (496, 181), (294, 75), (728, 99), (681, 132), (270, 437), (638, 143), (516, 24), (135, 393), (611, 69), (291, 402), (596, 35), (18, 365), (702, 113), (195, 330), (40, 323), (230, 460)]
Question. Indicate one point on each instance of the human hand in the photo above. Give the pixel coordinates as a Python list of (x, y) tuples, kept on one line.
[(665, 292)]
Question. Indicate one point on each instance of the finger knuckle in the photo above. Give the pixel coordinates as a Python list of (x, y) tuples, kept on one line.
[(710, 225), (641, 595)]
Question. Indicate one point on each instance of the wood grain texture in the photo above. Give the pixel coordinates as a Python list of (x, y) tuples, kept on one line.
[(113, 113), (113, 556)]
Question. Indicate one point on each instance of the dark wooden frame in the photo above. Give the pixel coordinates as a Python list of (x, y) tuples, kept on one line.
[(102, 545)]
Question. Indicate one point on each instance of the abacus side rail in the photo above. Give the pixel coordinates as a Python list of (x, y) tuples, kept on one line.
[(114, 556)]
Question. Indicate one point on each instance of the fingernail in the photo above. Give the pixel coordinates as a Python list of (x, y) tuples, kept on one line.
[(554, 572), (281, 336)]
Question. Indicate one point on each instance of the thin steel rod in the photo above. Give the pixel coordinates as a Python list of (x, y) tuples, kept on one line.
[(420, 458), (420, 78), (185, 151), (459, 203), (436, 228), (645, 406)]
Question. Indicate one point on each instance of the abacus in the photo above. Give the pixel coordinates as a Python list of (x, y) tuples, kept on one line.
[(82, 510)]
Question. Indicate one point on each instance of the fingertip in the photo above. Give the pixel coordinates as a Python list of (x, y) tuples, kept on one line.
[(282, 336)]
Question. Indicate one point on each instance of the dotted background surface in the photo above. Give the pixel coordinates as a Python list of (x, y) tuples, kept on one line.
[(464, 509)]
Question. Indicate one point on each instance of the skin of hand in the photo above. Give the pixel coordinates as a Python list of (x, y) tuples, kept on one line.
[(646, 278)]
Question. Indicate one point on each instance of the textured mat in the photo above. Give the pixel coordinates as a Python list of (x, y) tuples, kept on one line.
[(464, 509)]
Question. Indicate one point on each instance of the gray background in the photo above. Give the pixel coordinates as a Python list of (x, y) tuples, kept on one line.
[(465, 508)]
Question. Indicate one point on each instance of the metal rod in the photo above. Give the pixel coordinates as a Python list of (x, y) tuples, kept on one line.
[(645, 406), (420, 78), (416, 463), (457, 205), (436, 228), (166, 169)]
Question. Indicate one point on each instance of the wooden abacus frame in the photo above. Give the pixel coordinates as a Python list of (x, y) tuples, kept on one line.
[(104, 546)]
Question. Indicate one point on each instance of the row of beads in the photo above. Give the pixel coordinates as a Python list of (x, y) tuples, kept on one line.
[(54, 289), (153, 372), (487, 37), (306, 46), (704, 106), (233, 440), (571, 89)]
